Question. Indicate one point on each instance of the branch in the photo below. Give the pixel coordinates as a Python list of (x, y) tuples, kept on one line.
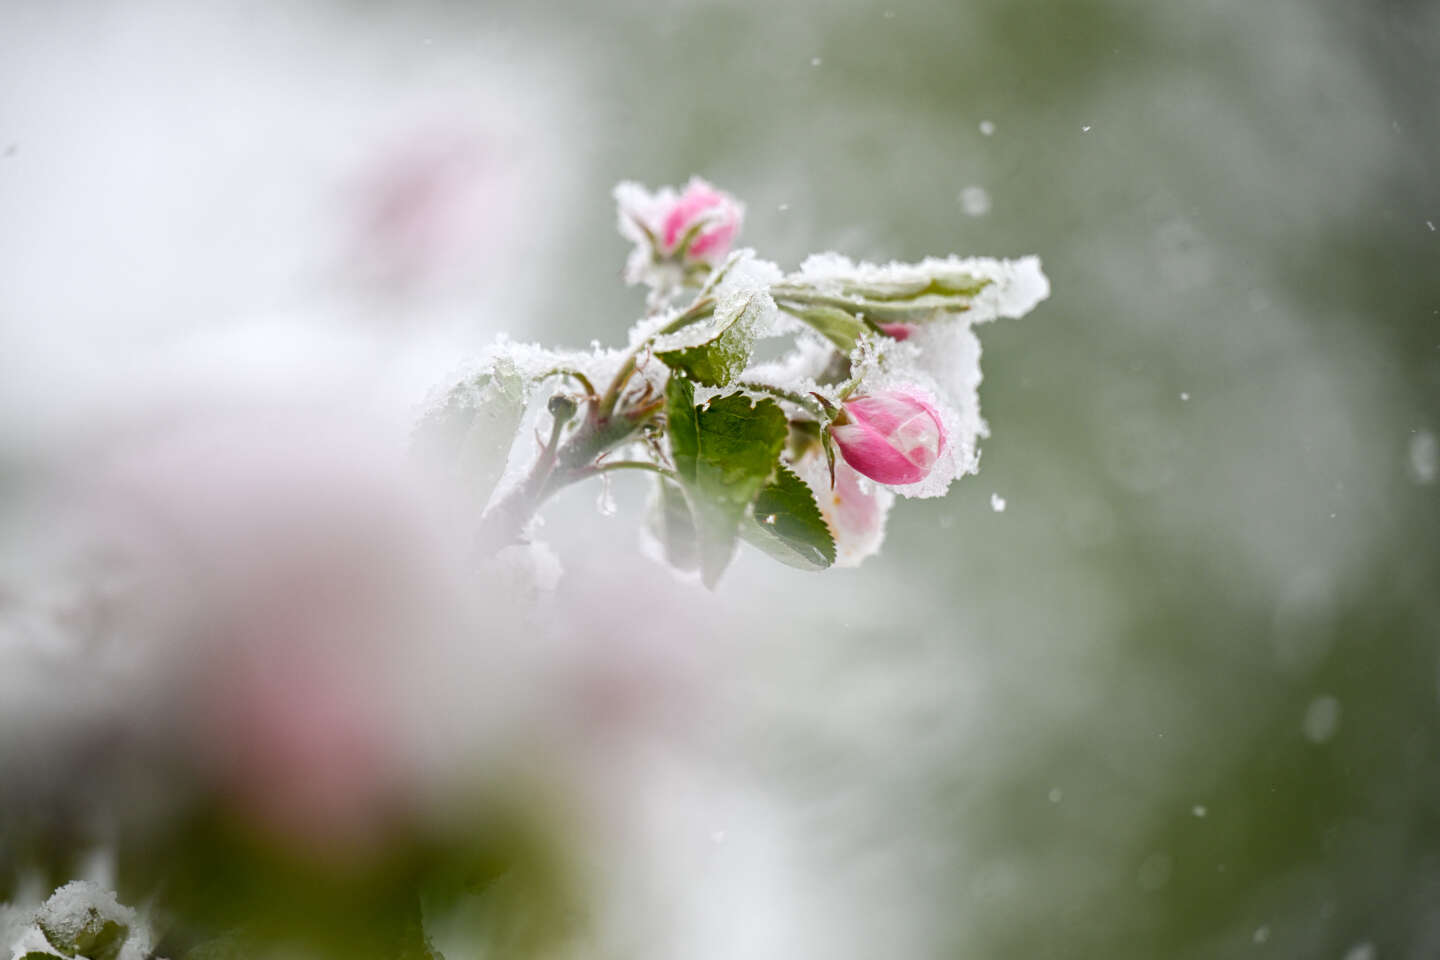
[(635, 465)]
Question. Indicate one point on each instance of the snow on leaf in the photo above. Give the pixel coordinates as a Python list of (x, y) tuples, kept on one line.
[(982, 288), (83, 919), (841, 327), (468, 433), (724, 452), (716, 350)]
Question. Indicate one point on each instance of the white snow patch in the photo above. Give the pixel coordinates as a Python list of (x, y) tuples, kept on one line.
[(1322, 720), (975, 201), (1424, 458)]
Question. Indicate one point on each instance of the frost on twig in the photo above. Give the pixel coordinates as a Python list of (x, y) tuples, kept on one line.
[(802, 456)]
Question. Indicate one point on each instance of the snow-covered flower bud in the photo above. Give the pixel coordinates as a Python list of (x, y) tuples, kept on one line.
[(677, 236), (700, 224), (892, 437)]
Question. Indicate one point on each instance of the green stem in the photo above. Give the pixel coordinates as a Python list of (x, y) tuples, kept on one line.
[(635, 465), (575, 375), (622, 377), (702, 307), (800, 400), (717, 275), (600, 431), (558, 466), (545, 463)]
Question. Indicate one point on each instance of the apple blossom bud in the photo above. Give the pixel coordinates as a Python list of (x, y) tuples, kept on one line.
[(898, 331), (709, 218), (678, 236), (562, 408), (893, 437)]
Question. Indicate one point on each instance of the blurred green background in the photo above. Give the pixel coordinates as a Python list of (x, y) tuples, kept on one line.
[(1180, 698)]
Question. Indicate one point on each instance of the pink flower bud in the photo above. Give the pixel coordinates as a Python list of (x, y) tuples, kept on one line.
[(716, 213), (899, 331), (893, 437)]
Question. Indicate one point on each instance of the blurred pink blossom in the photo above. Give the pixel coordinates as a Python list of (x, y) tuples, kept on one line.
[(429, 207), (855, 511), (299, 576), (670, 229)]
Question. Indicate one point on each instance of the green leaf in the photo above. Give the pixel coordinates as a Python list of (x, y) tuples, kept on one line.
[(649, 234), (468, 434), (949, 285), (673, 524), (104, 943), (724, 452), (682, 422), (786, 523), (93, 937), (839, 327), (920, 310), (804, 434), (827, 442), (691, 235), (922, 300), (716, 350)]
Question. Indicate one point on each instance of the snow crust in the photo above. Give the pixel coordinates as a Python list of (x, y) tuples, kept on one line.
[(75, 915)]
